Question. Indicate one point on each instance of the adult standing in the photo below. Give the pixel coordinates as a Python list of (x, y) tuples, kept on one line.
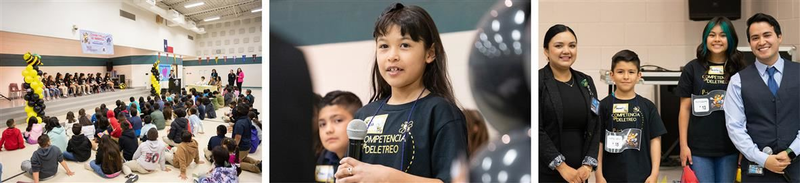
[(232, 78), (569, 128), (239, 79), (761, 107)]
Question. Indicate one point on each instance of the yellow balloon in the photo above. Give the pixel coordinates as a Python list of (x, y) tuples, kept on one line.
[(29, 67), (28, 79), (31, 114), (39, 119), (28, 109)]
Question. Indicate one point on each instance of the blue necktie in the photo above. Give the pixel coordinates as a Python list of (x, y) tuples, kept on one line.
[(773, 86)]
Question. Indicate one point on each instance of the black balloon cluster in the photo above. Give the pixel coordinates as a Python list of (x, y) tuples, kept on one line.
[(155, 76), (33, 87)]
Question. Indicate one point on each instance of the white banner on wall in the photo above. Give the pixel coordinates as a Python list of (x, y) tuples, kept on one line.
[(96, 43)]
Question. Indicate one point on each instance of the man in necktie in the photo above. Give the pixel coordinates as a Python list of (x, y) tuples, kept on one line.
[(761, 108)]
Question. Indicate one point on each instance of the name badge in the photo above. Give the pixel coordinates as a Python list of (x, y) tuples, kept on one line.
[(376, 123), (716, 70), (620, 108), (704, 105), (701, 105), (595, 106), (324, 173), (617, 142)]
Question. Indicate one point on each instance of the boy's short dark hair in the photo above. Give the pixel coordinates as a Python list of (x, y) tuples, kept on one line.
[(186, 136), (344, 99), (625, 56), (222, 130), (760, 17), (134, 113), (44, 140), (76, 129), (180, 113), (152, 134), (248, 91), (147, 119), (125, 125), (10, 122)]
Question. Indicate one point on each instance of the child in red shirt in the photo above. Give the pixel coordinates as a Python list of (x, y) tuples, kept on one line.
[(12, 137)]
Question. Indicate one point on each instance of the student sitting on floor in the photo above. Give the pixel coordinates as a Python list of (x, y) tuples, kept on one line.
[(197, 123), (12, 137), (128, 142), (34, 130), (58, 136), (215, 141), (87, 125), (79, 148), (210, 112), (70, 121), (107, 162), (186, 152), (136, 122), (148, 124), (44, 161), (177, 127), (223, 172), (149, 157)]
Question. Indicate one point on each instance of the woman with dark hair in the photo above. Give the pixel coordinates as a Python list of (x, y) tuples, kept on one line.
[(705, 145), (569, 128), (239, 79)]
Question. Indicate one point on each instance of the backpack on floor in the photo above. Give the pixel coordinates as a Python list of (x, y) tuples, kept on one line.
[(254, 139)]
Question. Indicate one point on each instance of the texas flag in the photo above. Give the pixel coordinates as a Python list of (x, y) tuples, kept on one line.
[(167, 48)]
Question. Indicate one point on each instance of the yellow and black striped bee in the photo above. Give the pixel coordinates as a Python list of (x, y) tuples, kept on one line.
[(32, 60)]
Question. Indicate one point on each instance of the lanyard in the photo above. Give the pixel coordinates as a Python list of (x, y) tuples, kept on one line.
[(403, 141)]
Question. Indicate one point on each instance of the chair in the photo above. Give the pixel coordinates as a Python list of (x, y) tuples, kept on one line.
[(14, 91)]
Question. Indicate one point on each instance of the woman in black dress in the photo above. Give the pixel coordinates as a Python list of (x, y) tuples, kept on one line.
[(569, 130)]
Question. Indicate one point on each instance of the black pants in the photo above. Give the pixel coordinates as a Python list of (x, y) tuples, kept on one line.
[(239, 85)]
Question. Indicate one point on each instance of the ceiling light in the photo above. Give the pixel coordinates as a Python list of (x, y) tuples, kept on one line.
[(194, 5), (256, 10), (211, 19)]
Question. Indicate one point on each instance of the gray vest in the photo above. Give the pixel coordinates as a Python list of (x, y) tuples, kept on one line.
[(772, 121)]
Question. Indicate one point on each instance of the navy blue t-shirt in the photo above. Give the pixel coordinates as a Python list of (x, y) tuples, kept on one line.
[(242, 127), (425, 146)]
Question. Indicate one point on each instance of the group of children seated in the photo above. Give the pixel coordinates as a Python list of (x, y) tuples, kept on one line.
[(125, 141)]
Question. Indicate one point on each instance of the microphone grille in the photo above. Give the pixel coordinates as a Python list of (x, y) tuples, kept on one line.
[(357, 129)]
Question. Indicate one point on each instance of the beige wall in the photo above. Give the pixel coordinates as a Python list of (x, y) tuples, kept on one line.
[(658, 30)]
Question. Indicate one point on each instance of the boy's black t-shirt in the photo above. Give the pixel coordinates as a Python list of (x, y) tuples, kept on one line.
[(630, 165), (436, 136), (707, 135)]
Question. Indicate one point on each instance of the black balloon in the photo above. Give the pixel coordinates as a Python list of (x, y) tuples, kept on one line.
[(504, 162), (31, 103), (36, 67), (26, 86), (28, 97), (39, 72), (499, 66), (37, 109), (35, 96), (499, 73)]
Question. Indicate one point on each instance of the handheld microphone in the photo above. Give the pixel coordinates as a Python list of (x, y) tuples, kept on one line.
[(356, 131)]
